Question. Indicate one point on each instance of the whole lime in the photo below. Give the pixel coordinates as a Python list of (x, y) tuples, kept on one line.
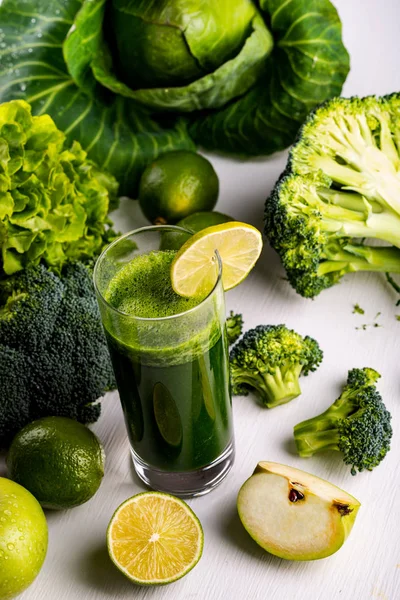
[(200, 220), (176, 185), (60, 461), (23, 538), (195, 222)]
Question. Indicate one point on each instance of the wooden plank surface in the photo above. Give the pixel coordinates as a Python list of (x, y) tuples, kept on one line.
[(233, 567)]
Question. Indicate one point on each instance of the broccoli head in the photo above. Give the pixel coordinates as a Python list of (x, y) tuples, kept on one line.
[(234, 327), (357, 425), (53, 354), (341, 187), (269, 360)]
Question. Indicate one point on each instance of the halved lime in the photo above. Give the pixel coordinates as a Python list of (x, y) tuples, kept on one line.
[(193, 269), (154, 538)]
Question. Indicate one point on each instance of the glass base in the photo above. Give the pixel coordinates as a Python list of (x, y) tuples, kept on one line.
[(186, 484)]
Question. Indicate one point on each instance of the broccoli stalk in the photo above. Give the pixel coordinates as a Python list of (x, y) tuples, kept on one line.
[(234, 327), (352, 258), (269, 360), (341, 187), (357, 149), (274, 389), (357, 424)]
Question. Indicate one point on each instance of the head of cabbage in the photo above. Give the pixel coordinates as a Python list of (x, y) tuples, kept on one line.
[(172, 44), (177, 55), (131, 79)]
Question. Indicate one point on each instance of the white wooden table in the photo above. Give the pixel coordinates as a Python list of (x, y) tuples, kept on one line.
[(233, 567)]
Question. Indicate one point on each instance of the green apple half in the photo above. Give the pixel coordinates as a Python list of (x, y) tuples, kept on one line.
[(293, 514)]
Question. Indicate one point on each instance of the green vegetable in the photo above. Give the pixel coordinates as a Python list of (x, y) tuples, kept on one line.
[(113, 130), (53, 354), (308, 65), (357, 425), (183, 55), (234, 327), (53, 202), (342, 185), (358, 310), (241, 74), (269, 360)]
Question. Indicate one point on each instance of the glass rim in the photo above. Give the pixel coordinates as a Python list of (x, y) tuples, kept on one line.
[(149, 228)]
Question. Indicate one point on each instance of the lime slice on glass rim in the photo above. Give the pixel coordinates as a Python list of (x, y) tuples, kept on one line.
[(193, 269), (154, 538)]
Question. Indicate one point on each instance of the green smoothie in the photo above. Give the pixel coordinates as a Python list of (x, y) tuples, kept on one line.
[(172, 374)]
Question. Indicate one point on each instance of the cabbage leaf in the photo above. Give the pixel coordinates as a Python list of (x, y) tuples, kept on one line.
[(309, 64)]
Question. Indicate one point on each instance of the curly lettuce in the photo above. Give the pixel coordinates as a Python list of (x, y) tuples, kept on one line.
[(53, 201)]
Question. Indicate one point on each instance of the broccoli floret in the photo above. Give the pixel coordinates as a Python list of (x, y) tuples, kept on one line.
[(341, 186), (234, 327), (357, 424), (269, 360), (53, 353)]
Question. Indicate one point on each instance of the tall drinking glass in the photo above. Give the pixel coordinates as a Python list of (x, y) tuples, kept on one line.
[(172, 372)]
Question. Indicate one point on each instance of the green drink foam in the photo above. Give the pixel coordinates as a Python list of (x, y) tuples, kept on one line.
[(142, 288)]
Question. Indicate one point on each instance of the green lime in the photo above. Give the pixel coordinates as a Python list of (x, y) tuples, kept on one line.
[(60, 461), (176, 185), (195, 222), (200, 220), (23, 538)]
